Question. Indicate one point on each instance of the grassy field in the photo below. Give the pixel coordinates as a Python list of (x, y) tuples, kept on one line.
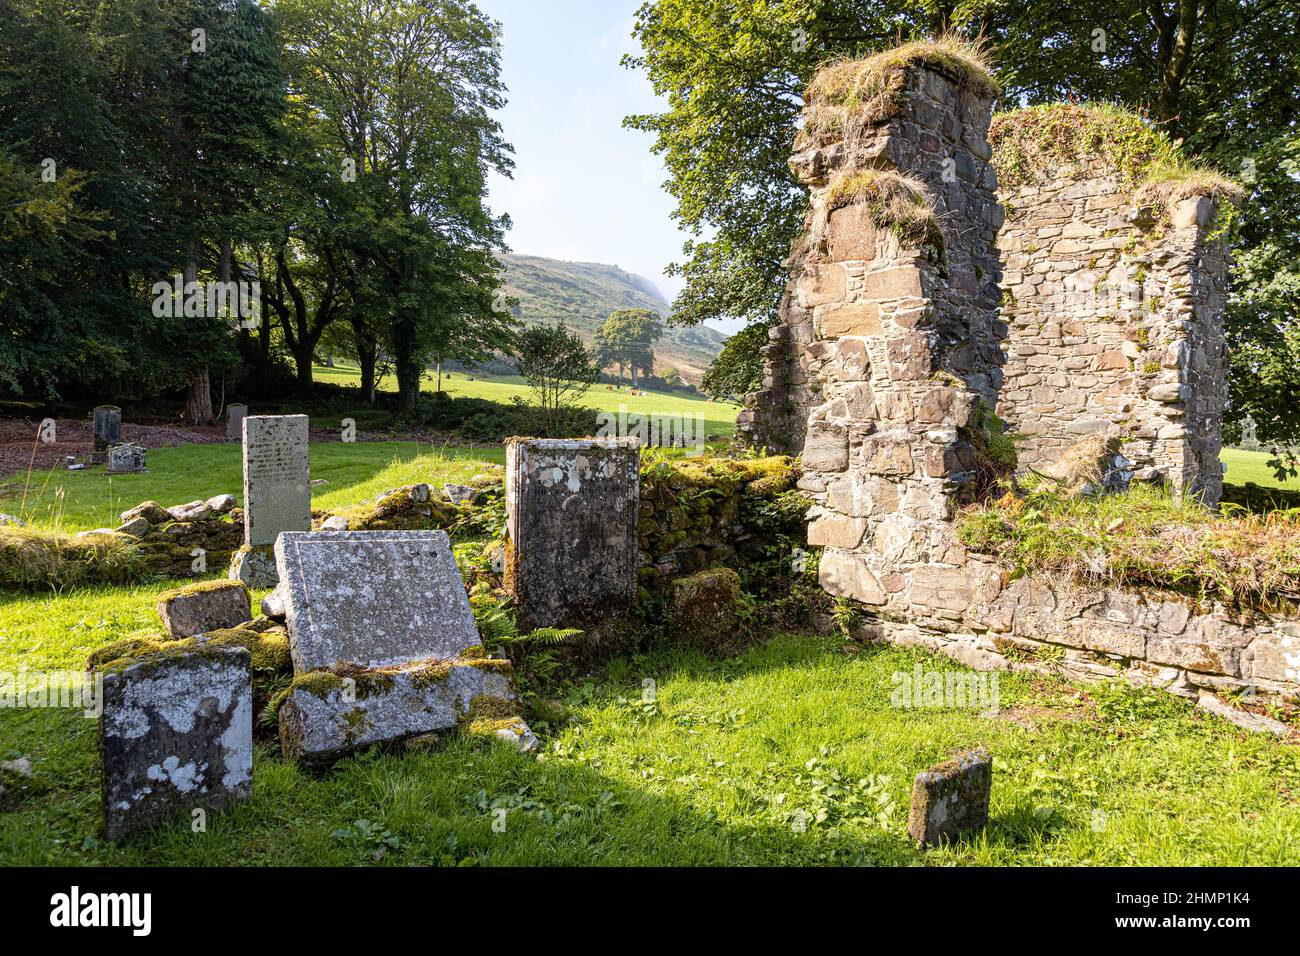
[(1245, 466), (791, 753), (719, 417), (82, 500)]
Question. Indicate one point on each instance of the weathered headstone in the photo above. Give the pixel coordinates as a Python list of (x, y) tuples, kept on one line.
[(372, 598), (126, 459), (235, 415), (277, 477), (951, 798), (108, 431), (200, 608), (334, 712), (176, 734), (571, 508)]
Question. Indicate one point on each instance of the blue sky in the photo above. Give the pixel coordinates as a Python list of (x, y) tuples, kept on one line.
[(584, 188)]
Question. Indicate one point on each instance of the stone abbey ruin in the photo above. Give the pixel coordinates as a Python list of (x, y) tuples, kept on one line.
[(1052, 269)]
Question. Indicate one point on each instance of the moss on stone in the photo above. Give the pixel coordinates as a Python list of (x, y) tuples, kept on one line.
[(491, 707), (203, 587), (891, 201), (270, 649), (1032, 142)]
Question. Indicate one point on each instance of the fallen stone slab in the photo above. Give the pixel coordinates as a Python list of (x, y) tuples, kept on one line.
[(193, 511), (513, 730), (327, 714), (221, 504), (951, 798), (372, 598), (136, 528), (203, 607), (176, 735), (1246, 720)]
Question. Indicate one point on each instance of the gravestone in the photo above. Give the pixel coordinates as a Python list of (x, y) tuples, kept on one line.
[(176, 734), (126, 459), (277, 477), (571, 514), (372, 598), (951, 798), (235, 415), (342, 711), (108, 431)]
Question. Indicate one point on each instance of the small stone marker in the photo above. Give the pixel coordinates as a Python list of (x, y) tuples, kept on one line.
[(176, 734), (571, 512), (235, 415), (108, 431), (126, 459), (277, 477), (951, 798), (372, 598), (199, 608)]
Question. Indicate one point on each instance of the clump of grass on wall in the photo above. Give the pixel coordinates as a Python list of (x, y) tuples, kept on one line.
[(37, 559), (870, 89), (892, 201), (1143, 537)]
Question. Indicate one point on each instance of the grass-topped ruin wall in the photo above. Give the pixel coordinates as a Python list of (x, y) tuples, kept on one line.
[(1040, 290)]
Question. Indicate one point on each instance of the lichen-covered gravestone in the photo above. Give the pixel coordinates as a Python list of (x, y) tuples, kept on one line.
[(571, 508), (108, 431), (277, 491), (373, 598), (951, 798), (126, 459), (383, 642), (176, 734)]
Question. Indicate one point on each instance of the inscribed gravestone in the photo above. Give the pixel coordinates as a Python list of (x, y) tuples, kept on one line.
[(571, 512), (126, 459), (374, 598), (277, 477)]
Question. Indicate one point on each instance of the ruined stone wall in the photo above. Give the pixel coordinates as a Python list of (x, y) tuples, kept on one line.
[(896, 343), (889, 336), (1114, 322)]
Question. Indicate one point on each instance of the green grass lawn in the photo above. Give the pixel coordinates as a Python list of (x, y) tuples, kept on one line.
[(719, 417), (723, 767), (1244, 466), (788, 754), (82, 500)]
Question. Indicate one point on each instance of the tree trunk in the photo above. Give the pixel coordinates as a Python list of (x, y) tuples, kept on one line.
[(198, 398), (367, 353)]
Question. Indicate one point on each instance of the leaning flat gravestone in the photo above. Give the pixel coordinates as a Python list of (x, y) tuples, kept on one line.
[(571, 513), (277, 477), (176, 734), (372, 598), (951, 798)]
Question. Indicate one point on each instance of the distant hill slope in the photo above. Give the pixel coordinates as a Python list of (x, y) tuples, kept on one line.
[(583, 294)]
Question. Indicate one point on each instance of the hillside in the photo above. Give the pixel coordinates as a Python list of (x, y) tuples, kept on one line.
[(583, 294)]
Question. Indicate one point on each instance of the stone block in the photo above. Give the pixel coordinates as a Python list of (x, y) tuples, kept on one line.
[(330, 713), (826, 448), (836, 531), (824, 284), (127, 459), (951, 798), (176, 735), (896, 283), (372, 598), (207, 606), (860, 319), (846, 574), (702, 608), (571, 516)]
